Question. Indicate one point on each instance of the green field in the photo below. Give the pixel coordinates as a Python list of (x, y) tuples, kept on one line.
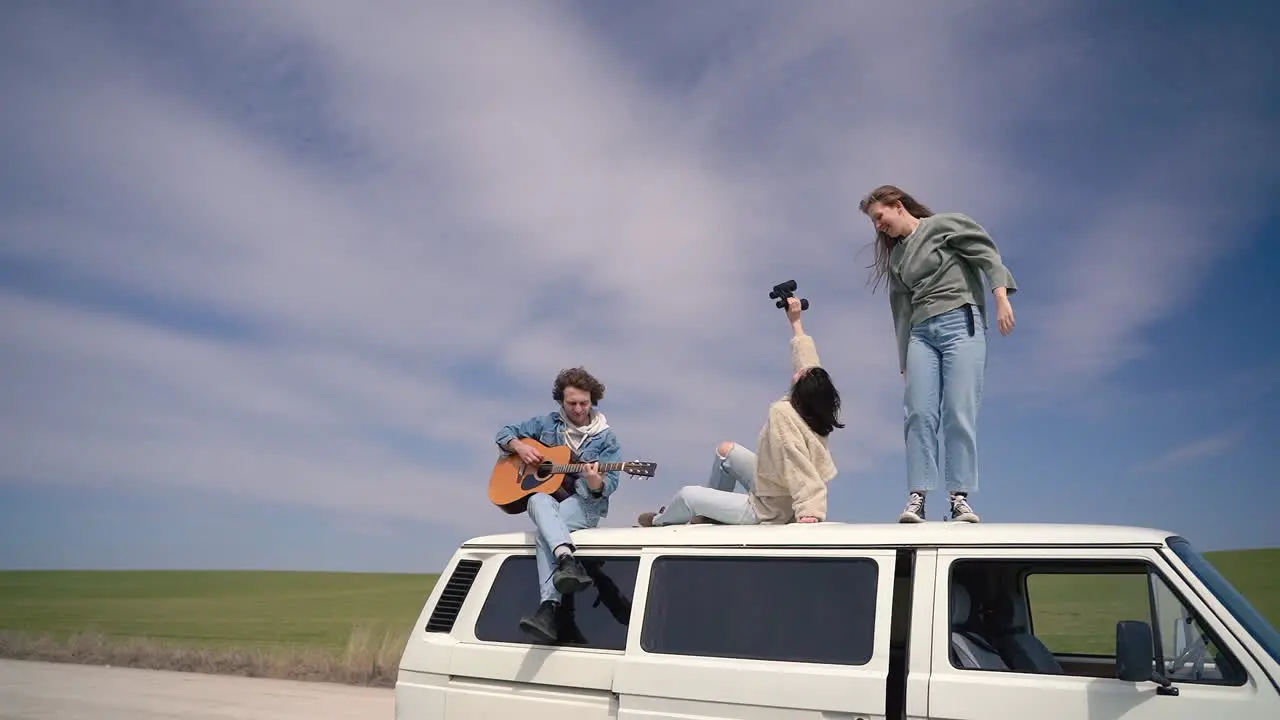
[(338, 627), (214, 609), (352, 620)]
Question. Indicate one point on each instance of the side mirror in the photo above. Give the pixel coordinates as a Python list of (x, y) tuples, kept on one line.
[(1135, 655)]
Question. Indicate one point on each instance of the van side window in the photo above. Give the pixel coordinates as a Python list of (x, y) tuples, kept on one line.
[(792, 609), (1188, 650), (594, 618), (1059, 618), (1075, 612)]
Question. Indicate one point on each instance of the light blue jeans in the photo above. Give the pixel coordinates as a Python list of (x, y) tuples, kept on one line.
[(717, 499), (945, 368), (554, 521)]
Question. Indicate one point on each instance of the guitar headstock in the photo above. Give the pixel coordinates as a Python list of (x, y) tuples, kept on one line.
[(640, 469)]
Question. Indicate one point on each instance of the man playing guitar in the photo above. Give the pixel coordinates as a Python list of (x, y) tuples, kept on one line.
[(582, 500)]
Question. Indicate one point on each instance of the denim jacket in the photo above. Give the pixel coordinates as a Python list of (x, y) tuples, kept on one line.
[(549, 430)]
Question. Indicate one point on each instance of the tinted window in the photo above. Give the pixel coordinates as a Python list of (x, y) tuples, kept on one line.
[(1066, 622), (596, 617), (818, 610), (1075, 612), (1236, 604)]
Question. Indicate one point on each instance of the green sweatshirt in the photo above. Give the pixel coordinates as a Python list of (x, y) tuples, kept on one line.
[(935, 269)]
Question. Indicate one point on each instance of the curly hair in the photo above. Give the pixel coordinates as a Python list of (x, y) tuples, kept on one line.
[(578, 378)]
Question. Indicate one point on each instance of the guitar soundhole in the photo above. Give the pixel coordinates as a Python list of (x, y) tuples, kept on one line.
[(533, 479)]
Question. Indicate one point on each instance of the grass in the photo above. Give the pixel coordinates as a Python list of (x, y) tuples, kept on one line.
[(345, 627), (352, 627)]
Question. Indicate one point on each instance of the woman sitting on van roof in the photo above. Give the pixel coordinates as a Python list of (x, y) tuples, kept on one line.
[(787, 482)]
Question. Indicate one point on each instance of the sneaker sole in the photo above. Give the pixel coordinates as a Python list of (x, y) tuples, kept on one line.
[(535, 631), (907, 517), (569, 586), (967, 517)]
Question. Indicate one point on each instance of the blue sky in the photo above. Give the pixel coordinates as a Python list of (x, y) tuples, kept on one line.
[(273, 274)]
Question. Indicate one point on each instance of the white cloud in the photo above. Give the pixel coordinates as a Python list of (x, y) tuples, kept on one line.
[(1142, 253), (516, 196), (1193, 451), (106, 402)]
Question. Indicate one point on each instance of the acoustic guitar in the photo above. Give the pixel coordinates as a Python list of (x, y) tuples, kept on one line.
[(513, 481)]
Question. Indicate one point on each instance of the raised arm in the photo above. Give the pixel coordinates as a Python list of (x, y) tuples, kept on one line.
[(804, 353)]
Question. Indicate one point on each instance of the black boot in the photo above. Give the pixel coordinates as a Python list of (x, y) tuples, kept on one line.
[(542, 624), (570, 576)]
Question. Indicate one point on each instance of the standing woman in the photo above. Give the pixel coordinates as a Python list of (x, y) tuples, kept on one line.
[(940, 316)]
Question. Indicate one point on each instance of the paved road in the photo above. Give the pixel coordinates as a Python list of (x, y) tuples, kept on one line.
[(57, 691)]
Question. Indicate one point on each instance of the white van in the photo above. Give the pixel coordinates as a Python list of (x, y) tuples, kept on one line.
[(838, 621)]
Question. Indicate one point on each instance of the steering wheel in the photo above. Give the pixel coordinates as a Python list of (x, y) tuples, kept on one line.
[(1199, 650)]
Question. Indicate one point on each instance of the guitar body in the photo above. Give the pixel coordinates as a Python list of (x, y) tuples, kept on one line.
[(513, 482)]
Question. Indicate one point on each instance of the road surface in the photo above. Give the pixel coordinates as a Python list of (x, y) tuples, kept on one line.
[(59, 691)]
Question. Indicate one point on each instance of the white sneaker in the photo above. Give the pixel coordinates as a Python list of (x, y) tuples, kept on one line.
[(914, 512), (961, 511)]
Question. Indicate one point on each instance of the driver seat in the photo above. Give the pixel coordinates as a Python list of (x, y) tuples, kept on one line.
[(969, 649), (1006, 623)]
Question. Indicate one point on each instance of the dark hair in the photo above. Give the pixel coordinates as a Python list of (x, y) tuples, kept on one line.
[(888, 195), (578, 378), (817, 401)]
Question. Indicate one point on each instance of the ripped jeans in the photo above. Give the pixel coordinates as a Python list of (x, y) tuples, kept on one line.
[(717, 499)]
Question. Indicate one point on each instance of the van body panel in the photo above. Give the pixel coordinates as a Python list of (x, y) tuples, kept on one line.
[(420, 695), (575, 669), (480, 699), (655, 686), (919, 657), (429, 652), (483, 698), (940, 620), (660, 685)]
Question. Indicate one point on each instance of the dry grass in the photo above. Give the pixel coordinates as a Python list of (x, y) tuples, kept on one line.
[(335, 627), (366, 660)]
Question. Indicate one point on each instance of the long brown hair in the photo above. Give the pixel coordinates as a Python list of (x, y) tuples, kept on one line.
[(888, 195)]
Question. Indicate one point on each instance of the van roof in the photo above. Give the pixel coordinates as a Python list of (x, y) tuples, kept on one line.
[(843, 534)]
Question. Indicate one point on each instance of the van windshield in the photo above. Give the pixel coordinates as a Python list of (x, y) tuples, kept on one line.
[(1236, 604)]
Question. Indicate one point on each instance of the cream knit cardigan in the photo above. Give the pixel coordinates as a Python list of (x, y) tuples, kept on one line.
[(793, 464)]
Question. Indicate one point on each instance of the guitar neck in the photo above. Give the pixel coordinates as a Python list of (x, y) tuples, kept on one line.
[(579, 467)]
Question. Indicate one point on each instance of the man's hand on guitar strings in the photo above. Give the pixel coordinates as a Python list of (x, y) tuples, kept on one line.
[(592, 473)]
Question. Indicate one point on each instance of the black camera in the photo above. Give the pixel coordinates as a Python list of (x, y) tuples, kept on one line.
[(784, 290)]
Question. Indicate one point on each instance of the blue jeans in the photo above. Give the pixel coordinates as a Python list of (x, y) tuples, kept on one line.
[(554, 521), (717, 499), (945, 368)]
